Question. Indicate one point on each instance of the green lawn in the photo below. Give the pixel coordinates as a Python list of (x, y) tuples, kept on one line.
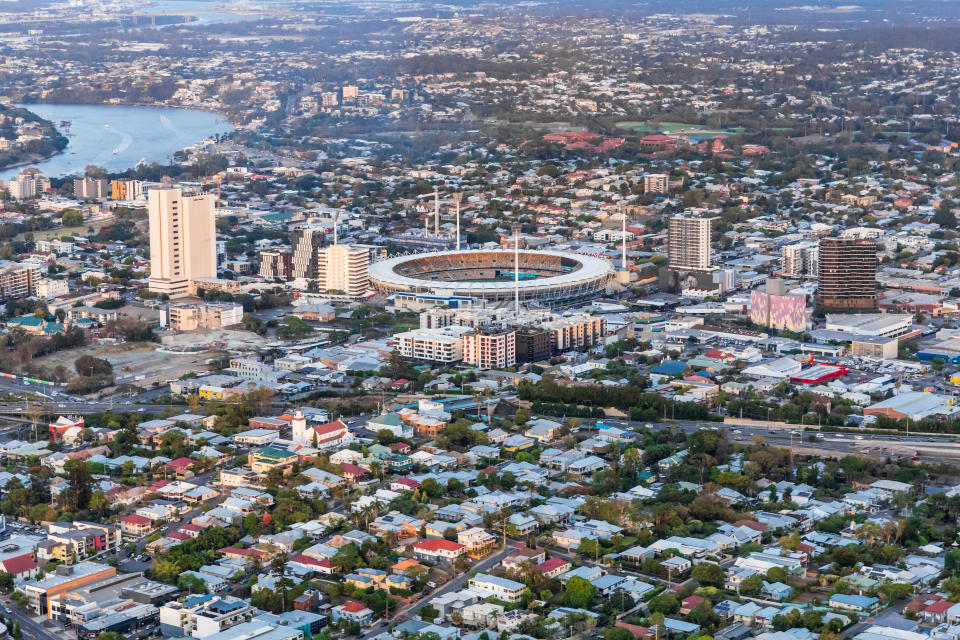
[(50, 234), (673, 128)]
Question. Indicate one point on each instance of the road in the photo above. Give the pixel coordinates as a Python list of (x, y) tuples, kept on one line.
[(410, 610), (31, 629)]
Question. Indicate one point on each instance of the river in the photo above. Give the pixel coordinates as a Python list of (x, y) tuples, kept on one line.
[(118, 137)]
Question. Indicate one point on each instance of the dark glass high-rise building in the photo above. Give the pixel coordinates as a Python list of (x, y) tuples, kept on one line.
[(847, 274)]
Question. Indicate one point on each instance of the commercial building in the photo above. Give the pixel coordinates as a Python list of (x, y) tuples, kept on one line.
[(775, 309), (206, 315), (125, 189), (490, 349), (65, 578), (182, 240), (344, 268), (656, 183), (799, 260), (688, 242), (90, 188), (915, 405), (138, 621), (847, 274), (885, 325), (18, 280), (276, 264), (433, 345), (877, 347)]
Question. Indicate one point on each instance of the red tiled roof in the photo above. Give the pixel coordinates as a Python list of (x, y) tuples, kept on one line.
[(352, 607), (180, 463), (307, 560), (20, 564), (191, 527), (407, 482), (552, 565), (136, 519), (330, 427), (353, 469), (178, 535), (635, 629), (438, 544), (939, 607)]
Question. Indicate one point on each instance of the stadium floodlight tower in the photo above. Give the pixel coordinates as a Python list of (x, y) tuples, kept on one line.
[(516, 269), (436, 211), (623, 275), (457, 199)]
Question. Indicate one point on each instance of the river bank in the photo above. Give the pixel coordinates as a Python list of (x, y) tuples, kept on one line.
[(120, 137)]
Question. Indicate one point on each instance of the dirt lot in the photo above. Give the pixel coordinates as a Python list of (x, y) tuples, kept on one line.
[(142, 358)]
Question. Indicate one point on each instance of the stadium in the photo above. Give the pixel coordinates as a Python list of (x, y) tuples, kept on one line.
[(547, 278)]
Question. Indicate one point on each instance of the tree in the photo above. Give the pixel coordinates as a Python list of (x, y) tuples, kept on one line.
[(191, 583), (751, 586), (6, 582), (580, 593), (944, 215), (71, 218), (708, 574), (92, 367), (665, 603)]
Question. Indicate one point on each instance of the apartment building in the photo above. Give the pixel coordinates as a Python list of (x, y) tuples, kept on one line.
[(276, 264), (500, 588), (18, 280), (343, 268), (49, 288), (200, 616), (433, 345), (208, 315), (656, 183), (182, 240), (478, 542), (581, 331), (688, 240), (125, 189), (799, 260), (847, 274), (490, 349), (75, 542), (29, 184), (88, 188)]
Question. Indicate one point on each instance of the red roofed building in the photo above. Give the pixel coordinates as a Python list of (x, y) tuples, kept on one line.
[(62, 425), (689, 603), (24, 566), (319, 566), (244, 554), (554, 567), (404, 484), (352, 472), (438, 548), (136, 526), (183, 467), (937, 612), (178, 535), (192, 530), (635, 629)]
